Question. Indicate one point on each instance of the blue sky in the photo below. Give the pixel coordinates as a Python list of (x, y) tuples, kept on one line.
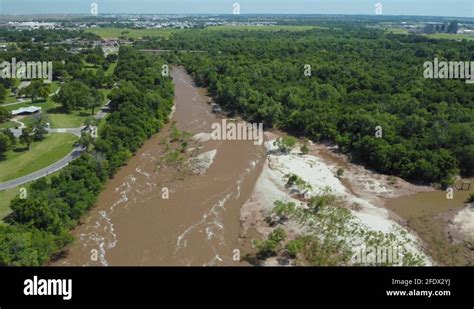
[(390, 7)]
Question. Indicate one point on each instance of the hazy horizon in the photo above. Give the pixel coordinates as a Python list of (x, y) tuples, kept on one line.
[(448, 8)]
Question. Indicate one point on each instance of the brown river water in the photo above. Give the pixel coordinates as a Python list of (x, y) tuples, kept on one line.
[(133, 224), (197, 225)]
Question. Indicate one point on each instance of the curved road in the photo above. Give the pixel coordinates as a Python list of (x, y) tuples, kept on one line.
[(59, 164), (43, 172)]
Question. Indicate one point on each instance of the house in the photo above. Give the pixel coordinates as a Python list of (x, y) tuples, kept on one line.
[(26, 110)]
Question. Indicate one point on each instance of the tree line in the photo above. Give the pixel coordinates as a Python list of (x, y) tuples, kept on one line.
[(38, 229), (365, 91)]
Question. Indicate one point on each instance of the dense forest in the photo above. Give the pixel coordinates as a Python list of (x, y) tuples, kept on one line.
[(360, 82), (38, 227)]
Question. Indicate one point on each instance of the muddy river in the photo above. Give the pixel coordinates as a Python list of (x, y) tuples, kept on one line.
[(429, 203), (430, 215), (134, 223)]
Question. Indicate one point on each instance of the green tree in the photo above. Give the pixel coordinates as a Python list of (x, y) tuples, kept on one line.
[(295, 246), (5, 115), (27, 136), (340, 172), (3, 93), (39, 126), (74, 95), (96, 100), (44, 91), (285, 144), (268, 247), (86, 141), (5, 143), (304, 149), (33, 89)]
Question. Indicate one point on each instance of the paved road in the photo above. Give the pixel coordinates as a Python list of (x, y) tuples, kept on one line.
[(75, 131), (17, 102), (103, 111), (43, 172), (59, 164)]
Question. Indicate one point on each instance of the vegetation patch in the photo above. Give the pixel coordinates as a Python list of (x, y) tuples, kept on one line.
[(330, 235), (21, 161), (39, 226)]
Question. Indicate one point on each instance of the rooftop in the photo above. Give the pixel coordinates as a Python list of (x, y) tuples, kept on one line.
[(29, 110)]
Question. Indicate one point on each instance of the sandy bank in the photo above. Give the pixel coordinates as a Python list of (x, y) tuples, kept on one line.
[(463, 222), (360, 191)]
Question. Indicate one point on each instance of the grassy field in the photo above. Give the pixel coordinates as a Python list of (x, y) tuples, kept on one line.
[(265, 28), (450, 36), (42, 154), (397, 31), (57, 118), (111, 69), (44, 104), (132, 33), (8, 124), (72, 120), (5, 198), (10, 99), (447, 36), (139, 33)]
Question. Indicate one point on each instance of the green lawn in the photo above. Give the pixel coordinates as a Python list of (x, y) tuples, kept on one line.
[(44, 104), (28, 120), (41, 154), (8, 124), (11, 99), (111, 69), (72, 120), (397, 30), (5, 198), (447, 36), (132, 33), (57, 118)]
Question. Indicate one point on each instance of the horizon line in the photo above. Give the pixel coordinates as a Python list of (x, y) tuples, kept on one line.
[(230, 14)]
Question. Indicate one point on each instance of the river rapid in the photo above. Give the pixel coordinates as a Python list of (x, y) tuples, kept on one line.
[(133, 224)]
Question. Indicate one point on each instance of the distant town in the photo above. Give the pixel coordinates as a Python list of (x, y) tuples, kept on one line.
[(427, 25)]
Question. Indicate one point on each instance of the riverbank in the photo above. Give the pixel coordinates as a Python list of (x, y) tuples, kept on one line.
[(198, 222), (136, 221), (369, 196), (442, 223)]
